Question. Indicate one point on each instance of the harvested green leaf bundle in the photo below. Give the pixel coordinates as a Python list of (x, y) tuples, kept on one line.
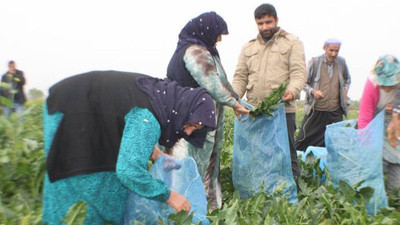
[(270, 103)]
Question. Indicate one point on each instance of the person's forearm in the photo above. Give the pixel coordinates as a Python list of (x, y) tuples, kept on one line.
[(202, 67), (396, 102), (137, 145)]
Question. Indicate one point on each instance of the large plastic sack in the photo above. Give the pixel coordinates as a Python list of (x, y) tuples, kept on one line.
[(355, 155), (261, 156), (181, 176)]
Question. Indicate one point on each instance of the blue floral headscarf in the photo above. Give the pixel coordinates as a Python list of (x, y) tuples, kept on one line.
[(203, 30), (387, 70)]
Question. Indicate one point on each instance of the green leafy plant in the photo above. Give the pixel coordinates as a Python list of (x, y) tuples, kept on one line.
[(270, 103), (179, 218), (22, 168), (76, 214)]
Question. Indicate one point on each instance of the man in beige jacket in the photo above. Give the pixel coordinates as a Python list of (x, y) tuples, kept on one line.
[(264, 63)]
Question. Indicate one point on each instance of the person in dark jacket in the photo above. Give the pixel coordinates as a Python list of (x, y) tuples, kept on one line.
[(100, 130), (12, 90)]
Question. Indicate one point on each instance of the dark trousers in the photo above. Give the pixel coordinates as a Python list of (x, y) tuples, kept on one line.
[(312, 131), (291, 127)]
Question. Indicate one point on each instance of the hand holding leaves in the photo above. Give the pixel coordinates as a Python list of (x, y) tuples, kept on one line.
[(270, 103)]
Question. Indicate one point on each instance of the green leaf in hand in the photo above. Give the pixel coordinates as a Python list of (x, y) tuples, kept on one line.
[(270, 103)]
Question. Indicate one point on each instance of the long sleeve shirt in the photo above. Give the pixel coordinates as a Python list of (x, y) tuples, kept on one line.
[(314, 76), (208, 72), (262, 67), (105, 193)]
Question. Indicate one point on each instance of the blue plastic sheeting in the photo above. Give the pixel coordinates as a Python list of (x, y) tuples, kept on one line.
[(299, 153), (355, 155), (181, 176), (261, 155)]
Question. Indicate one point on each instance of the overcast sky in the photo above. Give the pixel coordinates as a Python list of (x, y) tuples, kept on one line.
[(52, 39)]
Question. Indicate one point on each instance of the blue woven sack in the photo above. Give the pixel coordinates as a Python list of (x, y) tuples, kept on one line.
[(356, 155), (261, 156), (181, 176)]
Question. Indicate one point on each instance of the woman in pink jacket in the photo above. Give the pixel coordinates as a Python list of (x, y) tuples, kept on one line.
[(379, 94)]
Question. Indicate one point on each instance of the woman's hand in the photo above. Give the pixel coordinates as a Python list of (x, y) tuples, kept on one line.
[(240, 110), (157, 153), (389, 108), (178, 202)]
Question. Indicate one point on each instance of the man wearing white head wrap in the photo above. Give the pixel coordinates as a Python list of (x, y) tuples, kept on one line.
[(328, 81)]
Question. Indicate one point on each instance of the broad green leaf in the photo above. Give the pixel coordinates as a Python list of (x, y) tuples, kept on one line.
[(181, 218), (347, 190), (76, 214), (231, 213), (367, 192), (270, 103), (6, 101)]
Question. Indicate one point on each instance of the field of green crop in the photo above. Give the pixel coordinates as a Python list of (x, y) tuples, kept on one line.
[(22, 167)]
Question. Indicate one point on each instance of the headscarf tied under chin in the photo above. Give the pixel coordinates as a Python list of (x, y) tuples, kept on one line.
[(387, 70), (176, 106), (203, 30)]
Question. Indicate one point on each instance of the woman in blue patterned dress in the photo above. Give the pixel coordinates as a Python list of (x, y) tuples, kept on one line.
[(101, 128)]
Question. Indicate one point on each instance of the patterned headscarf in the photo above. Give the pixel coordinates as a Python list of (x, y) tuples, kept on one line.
[(176, 106), (203, 30), (387, 70)]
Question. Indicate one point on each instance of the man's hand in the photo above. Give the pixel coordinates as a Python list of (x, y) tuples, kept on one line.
[(240, 110), (318, 94), (178, 202), (288, 96)]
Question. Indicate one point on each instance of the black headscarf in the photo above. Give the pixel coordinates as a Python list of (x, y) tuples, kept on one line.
[(176, 106), (203, 30)]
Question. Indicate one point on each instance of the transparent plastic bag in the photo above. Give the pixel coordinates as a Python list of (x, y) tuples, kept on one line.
[(261, 155), (181, 176), (355, 155)]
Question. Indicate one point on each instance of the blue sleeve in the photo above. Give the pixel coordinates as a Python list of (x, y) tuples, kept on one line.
[(141, 134), (50, 125)]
